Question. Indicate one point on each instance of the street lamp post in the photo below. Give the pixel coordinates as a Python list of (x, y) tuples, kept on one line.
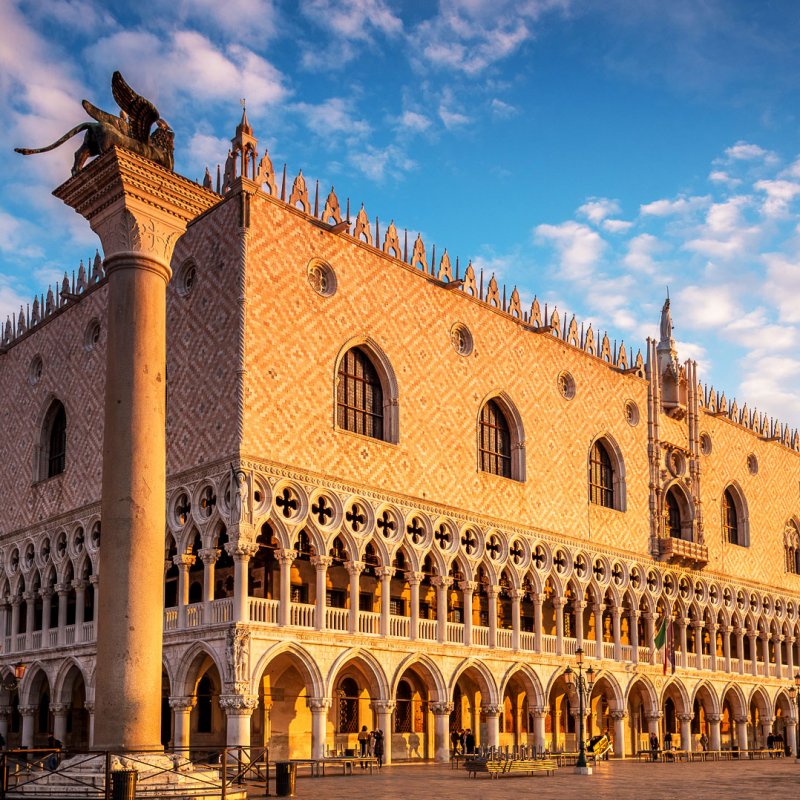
[(583, 687), (12, 683), (794, 694)]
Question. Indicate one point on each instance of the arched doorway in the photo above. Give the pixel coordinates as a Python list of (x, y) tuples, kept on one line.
[(642, 716)]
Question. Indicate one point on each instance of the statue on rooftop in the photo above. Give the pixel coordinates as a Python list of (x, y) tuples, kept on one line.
[(666, 322), (130, 130)]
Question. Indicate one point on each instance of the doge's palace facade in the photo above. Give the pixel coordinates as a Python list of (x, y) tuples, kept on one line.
[(396, 499)]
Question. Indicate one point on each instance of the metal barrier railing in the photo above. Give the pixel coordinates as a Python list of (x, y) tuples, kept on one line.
[(215, 772)]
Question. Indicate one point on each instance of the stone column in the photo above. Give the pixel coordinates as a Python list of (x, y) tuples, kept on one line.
[(726, 647), (181, 721), (492, 713), (619, 718), (46, 594), (319, 717), (354, 570), (516, 608), (139, 210), (686, 731), (16, 602), (80, 607), (383, 711), (653, 718), (616, 618), (740, 648), (94, 580), (539, 713), (59, 712), (650, 625), (442, 585), (467, 589), (385, 576), (558, 608), (752, 637), (714, 733), (4, 712), (790, 640), (30, 610), (183, 561), (414, 579), (741, 733), (238, 709), (712, 633), (241, 552), (441, 730), (777, 640), (209, 558), (791, 735), (765, 653), (89, 706), (698, 626), (537, 622), (285, 560), (684, 642), (578, 606), (321, 564), (27, 714), (597, 610), (634, 623), (491, 593)]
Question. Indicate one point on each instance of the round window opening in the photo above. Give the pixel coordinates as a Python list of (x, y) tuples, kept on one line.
[(92, 335), (187, 278), (631, 413), (566, 385), (461, 339), (705, 444), (322, 278), (35, 370), (752, 464)]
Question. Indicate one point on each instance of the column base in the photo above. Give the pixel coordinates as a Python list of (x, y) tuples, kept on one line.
[(583, 770)]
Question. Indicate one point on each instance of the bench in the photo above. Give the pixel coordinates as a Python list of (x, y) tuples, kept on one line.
[(497, 767)]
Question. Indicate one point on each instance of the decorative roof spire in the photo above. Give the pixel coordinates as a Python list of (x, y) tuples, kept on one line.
[(244, 126)]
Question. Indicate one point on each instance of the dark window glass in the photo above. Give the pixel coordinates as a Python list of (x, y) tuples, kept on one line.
[(204, 707), (57, 443), (348, 706), (359, 397), (730, 522), (403, 709), (673, 518), (601, 476), (495, 441)]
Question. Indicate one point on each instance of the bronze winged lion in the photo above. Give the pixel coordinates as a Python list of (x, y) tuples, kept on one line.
[(130, 130)]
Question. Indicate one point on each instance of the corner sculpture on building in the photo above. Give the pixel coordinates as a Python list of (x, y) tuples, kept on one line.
[(396, 499)]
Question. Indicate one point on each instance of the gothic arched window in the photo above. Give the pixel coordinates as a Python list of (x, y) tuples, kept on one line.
[(403, 715), (53, 442), (672, 518), (359, 396), (495, 441), (348, 706), (730, 519), (601, 476), (792, 544)]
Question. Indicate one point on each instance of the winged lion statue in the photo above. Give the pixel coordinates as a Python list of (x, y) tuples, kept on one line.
[(130, 130)]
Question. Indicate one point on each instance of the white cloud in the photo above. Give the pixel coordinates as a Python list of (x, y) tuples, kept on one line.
[(412, 121), (380, 163), (779, 193), (334, 115), (720, 176), (641, 252), (702, 308), (596, 209), (502, 110), (782, 287), (207, 151), (355, 20), (679, 206), (578, 246), (616, 225), (16, 235), (725, 233), (745, 151)]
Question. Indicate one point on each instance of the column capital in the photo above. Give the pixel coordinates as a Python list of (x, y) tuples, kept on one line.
[(16, 599), (740, 720), (467, 586), (493, 589), (94, 580), (517, 594), (136, 207), (182, 703), (442, 581), (286, 556), (5, 710), (209, 555), (414, 578), (46, 591), (538, 711), (59, 709), (653, 716), (242, 550), (491, 710), (685, 717), (184, 560), (354, 567), (80, 585), (384, 572), (383, 706), (27, 711), (29, 596), (713, 718), (439, 709), (89, 706), (322, 562), (318, 703), (619, 715), (238, 705)]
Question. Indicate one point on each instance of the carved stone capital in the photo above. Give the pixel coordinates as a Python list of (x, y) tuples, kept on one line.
[(46, 591), (318, 703), (492, 590), (28, 711), (322, 562), (713, 718), (182, 703), (538, 712), (89, 706), (354, 567), (653, 716), (740, 720), (137, 208), (241, 550), (414, 578), (440, 709), (29, 596), (209, 555), (59, 709), (618, 715), (685, 717), (384, 572), (491, 710), (238, 704), (285, 556), (442, 581), (184, 560), (382, 706), (467, 586)]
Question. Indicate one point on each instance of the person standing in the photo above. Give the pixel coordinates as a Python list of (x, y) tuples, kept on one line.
[(455, 741), (377, 747), (469, 741), (654, 747), (704, 741), (363, 741)]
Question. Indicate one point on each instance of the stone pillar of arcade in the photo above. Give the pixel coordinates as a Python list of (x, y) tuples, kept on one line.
[(139, 210)]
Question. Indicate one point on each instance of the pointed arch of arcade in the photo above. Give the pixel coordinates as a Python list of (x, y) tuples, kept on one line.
[(300, 658), (373, 671), (530, 680), (485, 680), (617, 695), (187, 675), (427, 668), (733, 692), (703, 692), (31, 684), (645, 686), (63, 680)]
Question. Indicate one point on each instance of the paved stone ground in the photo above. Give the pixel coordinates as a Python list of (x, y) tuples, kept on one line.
[(620, 780)]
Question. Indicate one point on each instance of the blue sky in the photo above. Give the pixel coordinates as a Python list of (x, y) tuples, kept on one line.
[(589, 152)]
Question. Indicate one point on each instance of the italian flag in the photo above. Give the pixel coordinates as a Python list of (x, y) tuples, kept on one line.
[(664, 638)]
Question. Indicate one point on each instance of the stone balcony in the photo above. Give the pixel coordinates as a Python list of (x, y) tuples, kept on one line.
[(683, 553)]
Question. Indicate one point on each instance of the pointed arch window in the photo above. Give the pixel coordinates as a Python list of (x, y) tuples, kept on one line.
[(672, 517), (730, 519), (601, 476), (495, 441), (792, 545), (359, 395), (348, 706), (53, 442)]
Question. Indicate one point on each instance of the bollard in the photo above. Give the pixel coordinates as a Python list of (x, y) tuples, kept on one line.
[(123, 784), (285, 778)]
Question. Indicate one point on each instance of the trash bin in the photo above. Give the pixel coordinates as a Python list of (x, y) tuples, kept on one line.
[(285, 778), (123, 784)]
